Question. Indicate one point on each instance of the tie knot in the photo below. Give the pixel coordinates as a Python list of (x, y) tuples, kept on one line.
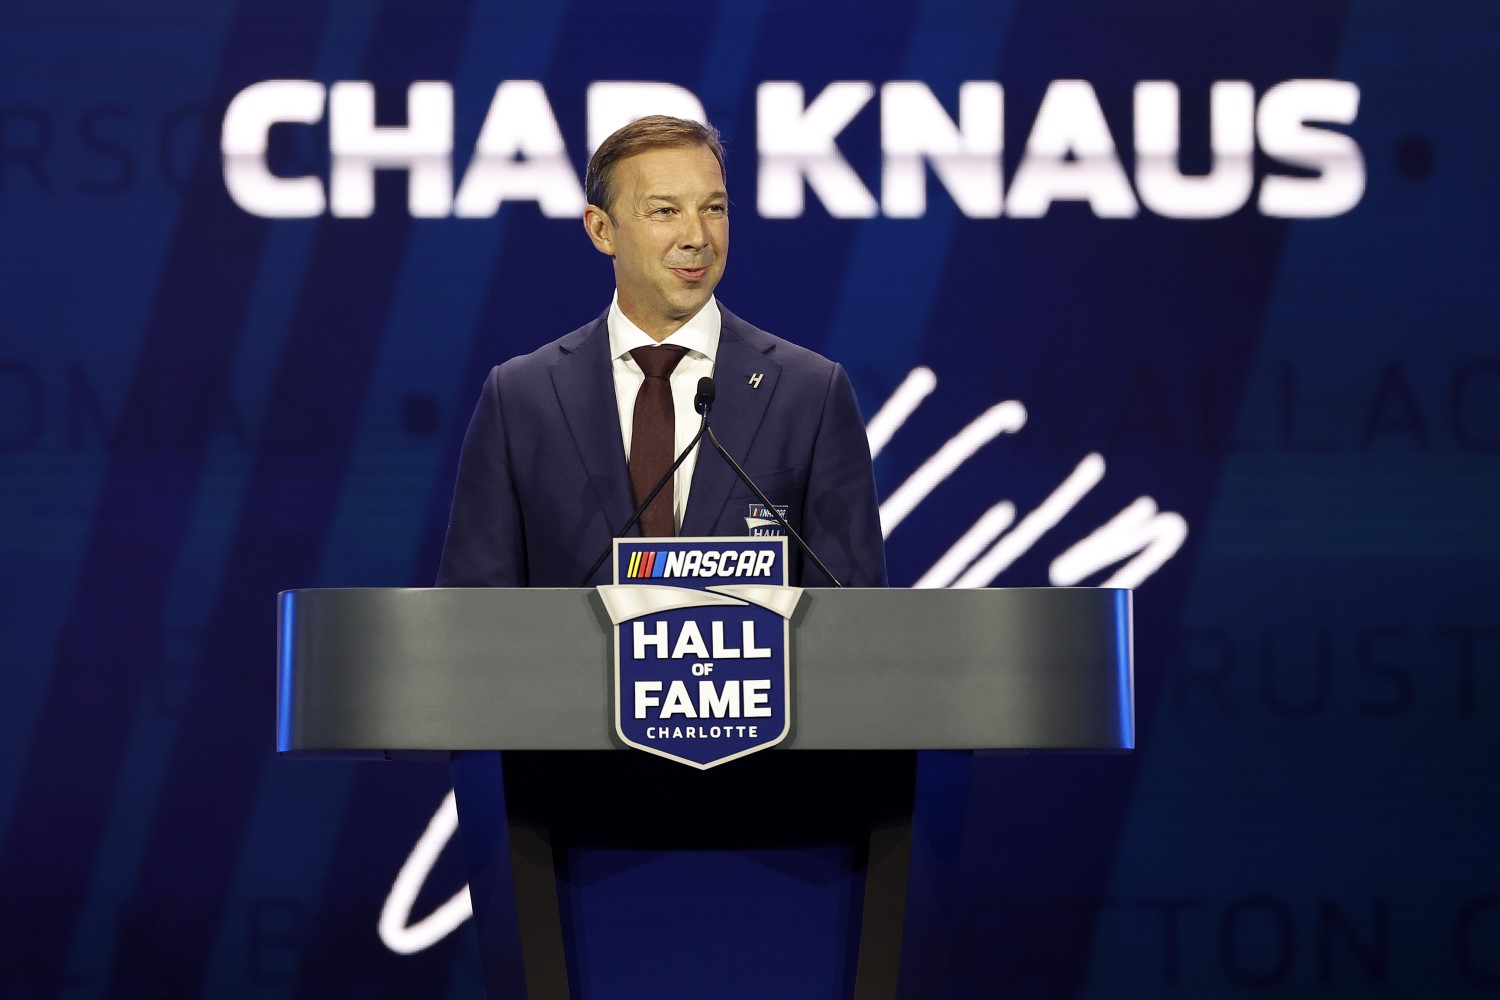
[(658, 362)]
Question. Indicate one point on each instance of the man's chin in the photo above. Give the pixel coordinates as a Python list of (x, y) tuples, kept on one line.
[(687, 306)]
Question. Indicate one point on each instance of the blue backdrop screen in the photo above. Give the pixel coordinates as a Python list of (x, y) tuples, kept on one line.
[(1193, 298)]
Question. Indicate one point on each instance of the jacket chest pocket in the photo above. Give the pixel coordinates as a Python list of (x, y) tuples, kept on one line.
[(781, 486)]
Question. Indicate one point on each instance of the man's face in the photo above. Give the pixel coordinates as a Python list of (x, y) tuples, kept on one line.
[(668, 232)]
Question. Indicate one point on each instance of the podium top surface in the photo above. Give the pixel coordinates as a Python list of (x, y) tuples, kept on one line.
[(390, 671)]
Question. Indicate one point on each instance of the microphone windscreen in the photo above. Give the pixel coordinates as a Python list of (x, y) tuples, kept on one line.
[(706, 394)]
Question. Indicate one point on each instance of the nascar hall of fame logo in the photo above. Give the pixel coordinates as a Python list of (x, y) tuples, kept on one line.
[(702, 646), (760, 522)]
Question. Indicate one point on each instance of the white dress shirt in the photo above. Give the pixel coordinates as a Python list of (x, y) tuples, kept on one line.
[(700, 335)]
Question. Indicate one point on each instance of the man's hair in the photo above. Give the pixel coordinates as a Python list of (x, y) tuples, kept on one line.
[(650, 132)]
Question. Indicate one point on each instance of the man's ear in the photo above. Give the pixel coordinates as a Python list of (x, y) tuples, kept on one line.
[(601, 230)]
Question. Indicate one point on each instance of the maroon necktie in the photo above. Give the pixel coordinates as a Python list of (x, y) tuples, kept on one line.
[(652, 434)]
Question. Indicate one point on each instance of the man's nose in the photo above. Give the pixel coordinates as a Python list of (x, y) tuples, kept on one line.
[(694, 233)]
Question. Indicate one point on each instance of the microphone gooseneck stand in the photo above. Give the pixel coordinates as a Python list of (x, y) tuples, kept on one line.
[(703, 402), (745, 478)]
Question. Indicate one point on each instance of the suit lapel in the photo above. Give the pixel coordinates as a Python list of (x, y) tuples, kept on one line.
[(584, 382), (738, 412)]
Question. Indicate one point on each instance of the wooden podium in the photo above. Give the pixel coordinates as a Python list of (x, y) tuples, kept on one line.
[(600, 871)]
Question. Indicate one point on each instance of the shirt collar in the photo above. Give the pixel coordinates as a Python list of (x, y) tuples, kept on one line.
[(700, 334)]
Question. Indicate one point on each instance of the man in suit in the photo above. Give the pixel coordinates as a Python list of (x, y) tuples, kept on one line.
[(545, 476)]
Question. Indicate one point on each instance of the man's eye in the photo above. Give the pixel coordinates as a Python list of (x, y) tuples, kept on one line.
[(715, 210), (664, 211)]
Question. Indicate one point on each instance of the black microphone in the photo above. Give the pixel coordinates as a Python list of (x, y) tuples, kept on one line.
[(702, 402), (745, 478)]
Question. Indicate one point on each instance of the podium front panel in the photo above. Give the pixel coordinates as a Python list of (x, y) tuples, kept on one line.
[(394, 671)]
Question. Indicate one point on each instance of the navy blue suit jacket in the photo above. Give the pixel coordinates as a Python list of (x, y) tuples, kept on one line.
[(543, 483)]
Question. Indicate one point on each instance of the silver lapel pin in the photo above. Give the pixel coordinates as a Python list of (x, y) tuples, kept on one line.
[(755, 380)]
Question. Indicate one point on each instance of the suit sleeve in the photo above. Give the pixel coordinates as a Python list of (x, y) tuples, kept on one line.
[(485, 544), (842, 514)]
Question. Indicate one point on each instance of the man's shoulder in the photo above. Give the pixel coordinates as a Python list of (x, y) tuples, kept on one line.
[(551, 353), (787, 353)]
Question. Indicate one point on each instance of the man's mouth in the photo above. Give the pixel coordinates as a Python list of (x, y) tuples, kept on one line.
[(691, 273)]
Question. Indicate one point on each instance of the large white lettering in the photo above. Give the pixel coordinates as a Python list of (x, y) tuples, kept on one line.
[(423, 147), (1163, 187), (1282, 124), (731, 699), (1069, 155), (797, 144), (915, 130), (246, 137), (519, 156)]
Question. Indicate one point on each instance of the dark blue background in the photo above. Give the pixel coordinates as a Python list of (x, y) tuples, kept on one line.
[(200, 408)]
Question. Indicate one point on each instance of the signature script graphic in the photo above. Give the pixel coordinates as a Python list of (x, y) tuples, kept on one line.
[(1137, 541)]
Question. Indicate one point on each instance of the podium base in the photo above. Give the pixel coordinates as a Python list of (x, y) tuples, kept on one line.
[(780, 874)]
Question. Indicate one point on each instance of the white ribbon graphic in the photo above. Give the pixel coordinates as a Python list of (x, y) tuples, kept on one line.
[(625, 601)]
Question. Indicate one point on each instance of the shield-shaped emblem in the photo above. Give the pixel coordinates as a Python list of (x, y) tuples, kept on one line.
[(761, 522), (702, 646)]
